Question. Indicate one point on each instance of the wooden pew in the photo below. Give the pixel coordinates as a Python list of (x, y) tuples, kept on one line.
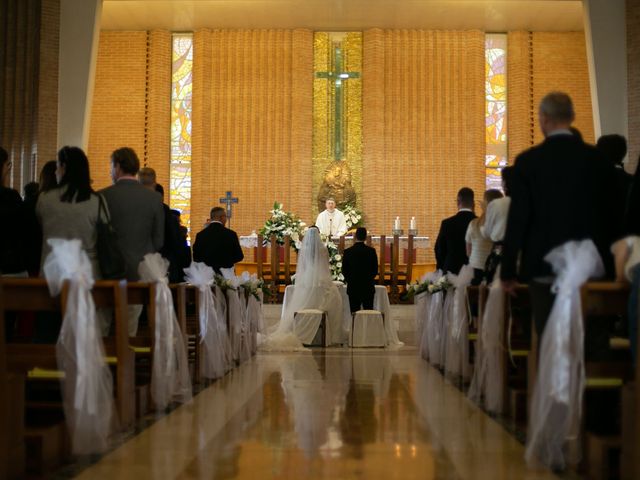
[(33, 295)]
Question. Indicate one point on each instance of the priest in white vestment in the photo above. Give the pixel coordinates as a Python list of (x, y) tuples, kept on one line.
[(331, 222)]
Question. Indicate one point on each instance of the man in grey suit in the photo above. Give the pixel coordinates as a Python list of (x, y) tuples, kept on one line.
[(136, 215)]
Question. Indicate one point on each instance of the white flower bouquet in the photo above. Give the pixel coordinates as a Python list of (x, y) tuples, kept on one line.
[(352, 216), (284, 224), (335, 260)]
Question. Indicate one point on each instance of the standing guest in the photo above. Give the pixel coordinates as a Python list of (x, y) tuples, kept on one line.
[(331, 222), (614, 148), (495, 224), (71, 209), (137, 217), (360, 267), (562, 190), (478, 246), (451, 248), (216, 245), (172, 246), (184, 239), (632, 212), (12, 218)]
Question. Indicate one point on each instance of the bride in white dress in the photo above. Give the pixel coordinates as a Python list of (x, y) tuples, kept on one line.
[(314, 289)]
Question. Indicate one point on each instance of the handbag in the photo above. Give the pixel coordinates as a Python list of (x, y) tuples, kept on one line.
[(110, 258)]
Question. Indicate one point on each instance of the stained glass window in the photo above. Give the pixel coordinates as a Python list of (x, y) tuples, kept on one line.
[(181, 97), (495, 107)]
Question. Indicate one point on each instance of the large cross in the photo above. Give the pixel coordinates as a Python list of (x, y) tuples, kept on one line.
[(229, 200), (338, 76)]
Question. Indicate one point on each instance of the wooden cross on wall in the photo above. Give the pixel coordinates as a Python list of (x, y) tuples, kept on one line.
[(228, 200)]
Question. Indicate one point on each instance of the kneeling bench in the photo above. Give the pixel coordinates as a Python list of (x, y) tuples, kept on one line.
[(367, 329), (320, 338)]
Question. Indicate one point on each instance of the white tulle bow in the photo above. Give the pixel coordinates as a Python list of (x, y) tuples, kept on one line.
[(170, 371), (554, 424), (88, 385)]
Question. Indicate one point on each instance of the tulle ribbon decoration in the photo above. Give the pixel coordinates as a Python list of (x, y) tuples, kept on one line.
[(487, 383), (425, 331), (88, 384), (170, 371), (457, 350), (213, 364), (221, 309), (556, 409)]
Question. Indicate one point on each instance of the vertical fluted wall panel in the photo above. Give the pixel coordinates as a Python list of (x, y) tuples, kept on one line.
[(423, 125), (251, 123)]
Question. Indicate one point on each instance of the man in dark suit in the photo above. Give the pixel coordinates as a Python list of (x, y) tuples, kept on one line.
[(136, 215), (359, 267), (451, 248), (173, 248), (216, 245), (562, 190)]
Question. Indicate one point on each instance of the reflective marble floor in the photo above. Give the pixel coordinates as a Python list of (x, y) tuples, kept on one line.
[(336, 413)]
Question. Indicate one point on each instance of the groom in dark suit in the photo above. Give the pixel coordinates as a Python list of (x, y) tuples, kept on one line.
[(216, 245), (451, 248), (359, 267)]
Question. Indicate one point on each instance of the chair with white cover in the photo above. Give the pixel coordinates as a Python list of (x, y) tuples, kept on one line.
[(367, 329), (312, 321)]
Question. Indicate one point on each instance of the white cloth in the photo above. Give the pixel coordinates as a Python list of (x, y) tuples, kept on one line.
[(457, 325), (556, 407), (213, 362), (368, 329), (170, 379), (423, 312), (480, 246), (314, 289), (332, 223), (88, 384), (487, 383), (495, 222), (633, 245)]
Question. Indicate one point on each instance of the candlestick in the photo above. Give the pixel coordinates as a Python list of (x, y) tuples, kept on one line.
[(396, 224), (412, 224)]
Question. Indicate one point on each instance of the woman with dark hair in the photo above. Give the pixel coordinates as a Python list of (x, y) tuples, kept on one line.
[(12, 261), (71, 209), (48, 180)]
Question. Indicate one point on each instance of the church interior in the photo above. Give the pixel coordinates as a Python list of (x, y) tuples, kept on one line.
[(389, 107)]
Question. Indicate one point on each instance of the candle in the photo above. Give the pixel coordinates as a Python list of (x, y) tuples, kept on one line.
[(396, 224), (412, 224)]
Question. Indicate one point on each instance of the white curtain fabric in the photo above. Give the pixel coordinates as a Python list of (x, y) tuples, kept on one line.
[(556, 409), (235, 322), (255, 319), (421, 301), (88, 384), (314, 289), (488, 377), (382, 305), (434, 330), (170, 379), (457, 325), (213, 362)]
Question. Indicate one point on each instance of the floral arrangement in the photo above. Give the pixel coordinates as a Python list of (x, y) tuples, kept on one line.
[(283, 224), (251, 284), (335, 260), (224, 283), (430, 286), (352, 215)]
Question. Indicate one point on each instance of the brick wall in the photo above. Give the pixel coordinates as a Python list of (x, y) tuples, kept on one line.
[(131, 102), (633, 75), (538, 63)]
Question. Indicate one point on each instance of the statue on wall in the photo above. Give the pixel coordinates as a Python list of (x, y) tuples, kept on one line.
[(337, 185)]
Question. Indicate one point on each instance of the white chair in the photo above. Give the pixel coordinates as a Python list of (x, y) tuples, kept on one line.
[(302, 318), (367, 329)]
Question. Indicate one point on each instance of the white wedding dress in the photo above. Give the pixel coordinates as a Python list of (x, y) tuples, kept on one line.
[(314, 289)]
